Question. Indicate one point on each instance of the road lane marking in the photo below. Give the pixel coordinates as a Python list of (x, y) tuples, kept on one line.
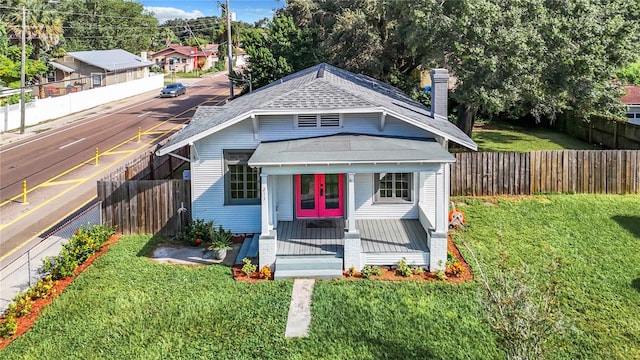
[(64, 182), (117, 152), (92, 159), (71, 143), (67, 128), (20, 246), (141, 115)]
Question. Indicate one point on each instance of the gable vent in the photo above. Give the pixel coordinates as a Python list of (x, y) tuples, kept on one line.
[(307, 120), (330, 120)]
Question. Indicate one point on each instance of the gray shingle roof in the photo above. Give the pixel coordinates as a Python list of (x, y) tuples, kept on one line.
[(111, 60), (320, 88), (349, 148)]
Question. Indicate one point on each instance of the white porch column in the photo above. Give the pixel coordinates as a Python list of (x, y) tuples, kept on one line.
[(265, 203), (351, 202), (352, 241), (438, 238), (267, 243)]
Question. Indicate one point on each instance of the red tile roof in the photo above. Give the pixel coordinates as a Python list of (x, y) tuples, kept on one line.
[(632, 96)]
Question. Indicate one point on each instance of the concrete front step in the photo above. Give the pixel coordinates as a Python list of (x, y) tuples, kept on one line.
[(308, 274), (316, 267)]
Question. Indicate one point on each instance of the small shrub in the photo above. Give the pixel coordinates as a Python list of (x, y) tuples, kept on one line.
[(418, 271), (43, 289), (456, 269), (451, 258), (369, 271), (79, 248), (8, 326), (198, 232), (352, 271), (404, 269), (221, 239), (248, 268), (265, 273), (440, 275), (20, 306), (61, 266)]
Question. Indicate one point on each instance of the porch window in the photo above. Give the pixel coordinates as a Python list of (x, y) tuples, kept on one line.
[(241, 182), (393, 187)]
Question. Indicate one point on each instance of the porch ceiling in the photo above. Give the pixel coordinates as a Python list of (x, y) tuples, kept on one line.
[(349, 149)]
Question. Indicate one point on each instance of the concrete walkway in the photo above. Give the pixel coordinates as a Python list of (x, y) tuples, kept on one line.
[(300, 309)]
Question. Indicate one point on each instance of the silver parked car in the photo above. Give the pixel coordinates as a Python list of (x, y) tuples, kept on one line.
[(173, 90)]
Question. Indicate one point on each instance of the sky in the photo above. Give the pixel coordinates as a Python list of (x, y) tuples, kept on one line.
[(248, 11)]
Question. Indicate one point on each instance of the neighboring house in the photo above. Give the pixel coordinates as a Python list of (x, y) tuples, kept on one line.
[(632, 100), (181, 58), (327, 162), (90, 69)]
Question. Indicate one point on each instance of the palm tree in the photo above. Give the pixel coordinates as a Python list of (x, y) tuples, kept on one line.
[(43, 27)]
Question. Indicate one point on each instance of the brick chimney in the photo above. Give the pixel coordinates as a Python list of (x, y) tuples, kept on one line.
[(439, 90)]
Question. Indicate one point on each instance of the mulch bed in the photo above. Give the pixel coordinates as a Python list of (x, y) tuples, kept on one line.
[(25, 322), (387, 273)]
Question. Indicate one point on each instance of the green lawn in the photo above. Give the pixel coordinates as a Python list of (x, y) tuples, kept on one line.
[(505, 137), (126, 306)]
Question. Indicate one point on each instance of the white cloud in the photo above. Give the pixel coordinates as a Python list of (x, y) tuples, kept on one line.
[(168, 13)]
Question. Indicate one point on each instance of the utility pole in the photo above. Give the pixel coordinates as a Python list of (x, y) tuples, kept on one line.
[(22, 72), (229, 45)]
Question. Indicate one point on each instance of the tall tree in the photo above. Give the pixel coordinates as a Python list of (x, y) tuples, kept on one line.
[(522, 57), (108, 24), (278, 50), (43, 26), (509, 57), (43, 29)]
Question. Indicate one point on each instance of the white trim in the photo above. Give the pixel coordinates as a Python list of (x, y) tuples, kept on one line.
[(373, 110)]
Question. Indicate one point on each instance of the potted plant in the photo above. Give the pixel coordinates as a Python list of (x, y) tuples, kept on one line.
[(220, 242)]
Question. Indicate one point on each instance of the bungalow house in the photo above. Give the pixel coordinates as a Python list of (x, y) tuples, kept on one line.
[(95, 68), (632, 100), (328, 164), (181, 58)]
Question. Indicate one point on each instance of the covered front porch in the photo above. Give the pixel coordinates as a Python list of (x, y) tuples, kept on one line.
[(368, 228), (326, 236), (383, 241)]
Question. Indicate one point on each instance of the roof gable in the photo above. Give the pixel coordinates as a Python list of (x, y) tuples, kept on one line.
[(317, 89)]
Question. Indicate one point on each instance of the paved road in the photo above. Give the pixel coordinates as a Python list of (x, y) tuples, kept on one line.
[(57, 159)]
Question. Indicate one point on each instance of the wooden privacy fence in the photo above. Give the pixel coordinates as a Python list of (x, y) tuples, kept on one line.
[(148, 166), (564, 171), (145, 206)]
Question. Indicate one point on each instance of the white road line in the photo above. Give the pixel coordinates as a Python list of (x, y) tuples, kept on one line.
[(67, 128), (141, 115), (69, 144)]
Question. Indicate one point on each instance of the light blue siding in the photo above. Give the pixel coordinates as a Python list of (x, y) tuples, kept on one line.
[(207, 170), (366, 208)]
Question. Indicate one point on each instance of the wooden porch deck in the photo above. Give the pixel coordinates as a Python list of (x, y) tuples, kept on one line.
[(326, 236)]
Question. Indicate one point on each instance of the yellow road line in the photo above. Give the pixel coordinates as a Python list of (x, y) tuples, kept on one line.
[(4, 256), (2, 226), (63, 182), (92, 159), (116, 152)]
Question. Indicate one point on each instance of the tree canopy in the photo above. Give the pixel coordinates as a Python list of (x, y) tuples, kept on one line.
[(107, 24), (514, 58)]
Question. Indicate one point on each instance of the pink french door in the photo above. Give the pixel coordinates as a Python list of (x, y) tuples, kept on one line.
[(319, 195)]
